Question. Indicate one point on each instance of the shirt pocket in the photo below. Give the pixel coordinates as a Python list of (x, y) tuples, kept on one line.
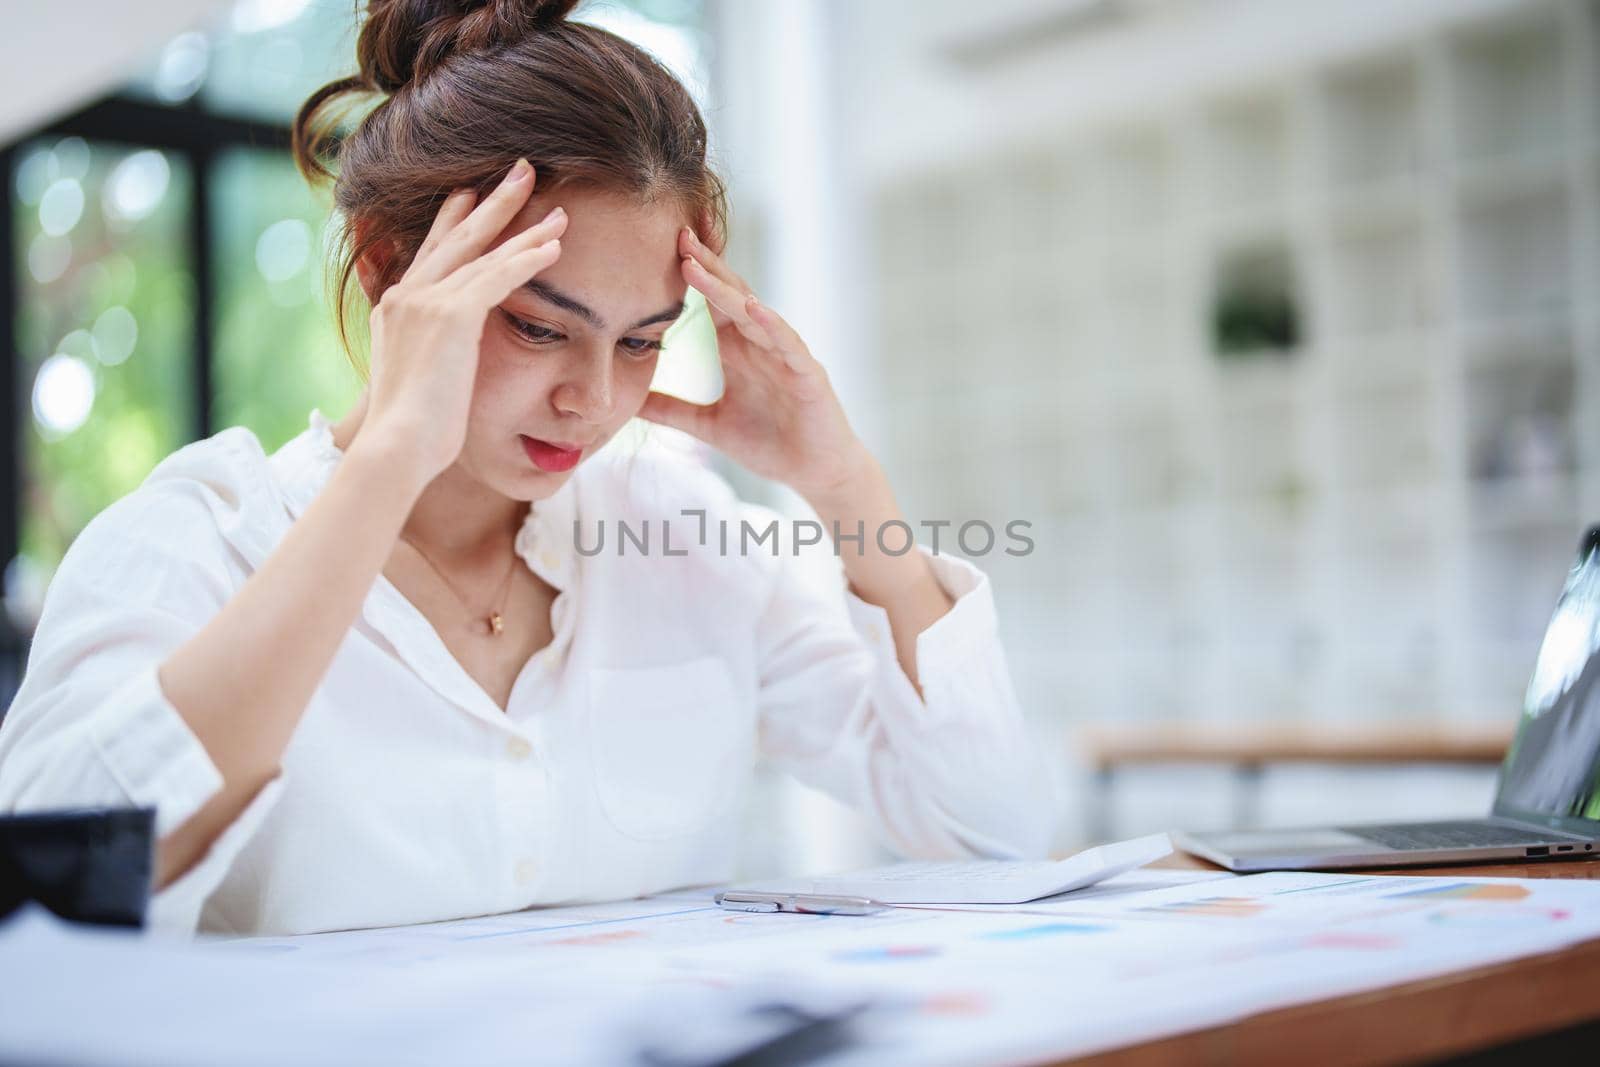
[(669, 745)]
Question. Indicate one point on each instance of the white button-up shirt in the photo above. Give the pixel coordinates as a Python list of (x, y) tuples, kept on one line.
[(619, 767)]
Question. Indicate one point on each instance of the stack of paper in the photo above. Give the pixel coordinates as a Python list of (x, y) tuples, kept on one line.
[(978, 881)]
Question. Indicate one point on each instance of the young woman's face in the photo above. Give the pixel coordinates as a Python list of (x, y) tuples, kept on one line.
[(568, 359)]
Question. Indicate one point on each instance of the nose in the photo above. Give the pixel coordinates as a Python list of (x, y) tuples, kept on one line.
[(586, 389)]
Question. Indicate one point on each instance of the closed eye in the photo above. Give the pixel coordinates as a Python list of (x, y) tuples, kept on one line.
[(640, 345), (536, 334), (531, 332)]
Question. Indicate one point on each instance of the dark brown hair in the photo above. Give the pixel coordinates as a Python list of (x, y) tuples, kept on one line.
[(472, 85)]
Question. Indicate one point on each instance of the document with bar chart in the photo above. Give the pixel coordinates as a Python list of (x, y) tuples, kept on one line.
[(942, 986)]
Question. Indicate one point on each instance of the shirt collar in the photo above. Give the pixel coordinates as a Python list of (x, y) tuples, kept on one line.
[(544, 541)]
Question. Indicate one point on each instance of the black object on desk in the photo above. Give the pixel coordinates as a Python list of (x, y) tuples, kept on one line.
[(88, 865), (803, 1036)]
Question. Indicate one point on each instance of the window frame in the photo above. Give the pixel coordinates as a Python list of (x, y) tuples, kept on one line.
[(200, 137)]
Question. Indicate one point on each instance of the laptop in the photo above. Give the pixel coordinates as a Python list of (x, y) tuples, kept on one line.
[(1547, 799)]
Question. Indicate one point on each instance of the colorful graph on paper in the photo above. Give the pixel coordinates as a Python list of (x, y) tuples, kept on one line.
[(1219, 907), (1463, 891), (1046, 930)]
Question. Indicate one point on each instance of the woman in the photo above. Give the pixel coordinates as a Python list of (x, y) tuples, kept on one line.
[(370, 679)]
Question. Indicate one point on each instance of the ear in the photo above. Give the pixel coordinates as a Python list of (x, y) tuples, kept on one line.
[(704, 230), (372, 267)]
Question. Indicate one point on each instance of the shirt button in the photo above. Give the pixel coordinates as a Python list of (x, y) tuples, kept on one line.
[(518, 748), (548, 560), (526, 870)]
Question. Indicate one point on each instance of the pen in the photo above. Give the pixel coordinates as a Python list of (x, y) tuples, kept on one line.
[(802, 903)]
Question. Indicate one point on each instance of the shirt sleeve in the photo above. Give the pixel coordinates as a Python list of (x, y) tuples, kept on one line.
[(954, 774), (90, 724)]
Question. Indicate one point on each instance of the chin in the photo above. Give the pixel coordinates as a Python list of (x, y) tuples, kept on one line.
[(530, 483), (534, 485), (520, 480)]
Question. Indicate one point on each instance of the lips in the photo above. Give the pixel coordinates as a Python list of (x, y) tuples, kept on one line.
[(551, 456)]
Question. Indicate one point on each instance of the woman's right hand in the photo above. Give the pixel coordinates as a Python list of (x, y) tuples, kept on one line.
[(427, 327)]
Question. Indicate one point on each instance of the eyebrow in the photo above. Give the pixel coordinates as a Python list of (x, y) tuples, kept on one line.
[(552, 295)]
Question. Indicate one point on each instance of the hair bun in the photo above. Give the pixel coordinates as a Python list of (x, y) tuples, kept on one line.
[(403, 41)]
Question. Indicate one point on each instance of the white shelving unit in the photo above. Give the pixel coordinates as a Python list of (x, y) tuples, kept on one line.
[(1373, 523)]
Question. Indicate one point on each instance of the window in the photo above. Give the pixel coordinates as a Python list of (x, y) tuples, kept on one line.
[(104, 332), (277, 353)]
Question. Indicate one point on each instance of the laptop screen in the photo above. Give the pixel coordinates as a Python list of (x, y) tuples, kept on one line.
[(1552, 771)]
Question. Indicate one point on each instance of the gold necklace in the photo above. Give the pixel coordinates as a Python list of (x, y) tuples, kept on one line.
[(495, 622)]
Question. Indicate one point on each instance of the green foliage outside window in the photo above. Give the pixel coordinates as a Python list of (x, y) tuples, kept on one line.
[(277, 355), (104, 329)]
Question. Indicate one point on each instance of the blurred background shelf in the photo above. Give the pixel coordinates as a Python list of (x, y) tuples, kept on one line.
[(1337, 322), (1247, 750)]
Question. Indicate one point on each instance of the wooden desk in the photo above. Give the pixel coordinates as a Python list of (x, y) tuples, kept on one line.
[(1416, 1022)]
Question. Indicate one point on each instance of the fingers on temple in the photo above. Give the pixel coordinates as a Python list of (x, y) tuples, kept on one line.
[(690, 244), (493, 279), (727, 299), (549, 228), (465, 241), (457, 206)]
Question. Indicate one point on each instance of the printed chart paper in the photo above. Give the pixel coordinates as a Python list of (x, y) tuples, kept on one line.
[(596, 983)]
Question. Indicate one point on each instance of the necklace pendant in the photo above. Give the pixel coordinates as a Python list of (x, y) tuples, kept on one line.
[(496, 624)]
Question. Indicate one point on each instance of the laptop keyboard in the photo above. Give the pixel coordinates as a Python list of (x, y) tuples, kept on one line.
[(1433, 835)]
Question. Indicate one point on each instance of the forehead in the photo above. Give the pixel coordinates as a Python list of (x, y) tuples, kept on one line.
[(619, 255), (598, 220)]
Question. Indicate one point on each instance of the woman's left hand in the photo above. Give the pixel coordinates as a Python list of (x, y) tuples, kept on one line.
[(778, 415)]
